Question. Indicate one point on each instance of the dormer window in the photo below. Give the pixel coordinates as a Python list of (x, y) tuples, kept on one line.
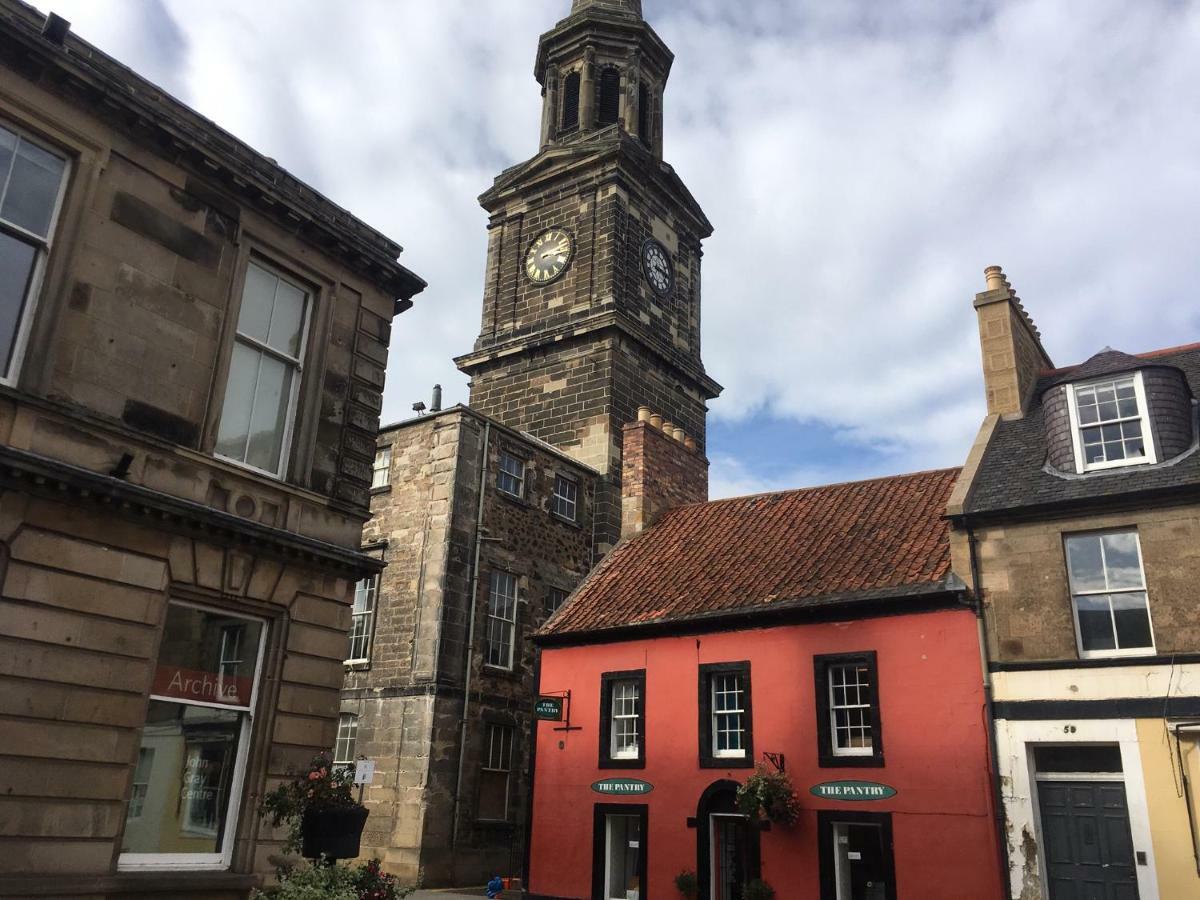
[(1110, 424)]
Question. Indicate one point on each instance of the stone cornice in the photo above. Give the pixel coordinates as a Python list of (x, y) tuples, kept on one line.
[(157, 121), (55, 480)]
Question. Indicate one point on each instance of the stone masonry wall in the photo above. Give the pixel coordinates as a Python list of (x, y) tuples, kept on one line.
[(1026, 592)]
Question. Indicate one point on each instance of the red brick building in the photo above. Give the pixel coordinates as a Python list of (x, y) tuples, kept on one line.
[(821, 629)]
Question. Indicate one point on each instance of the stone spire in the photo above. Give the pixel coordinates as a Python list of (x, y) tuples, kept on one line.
[(629, 7)]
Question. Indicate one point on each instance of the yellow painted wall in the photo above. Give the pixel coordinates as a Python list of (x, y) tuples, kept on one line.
[(1174, 853)]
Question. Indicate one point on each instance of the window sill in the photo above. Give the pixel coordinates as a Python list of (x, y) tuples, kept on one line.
[(160, 881), (573, 523), (1132, 653), (850, 762), (357, 665), (726, 762), (514, 499), (382, 489), (499, 672), (622, 764)]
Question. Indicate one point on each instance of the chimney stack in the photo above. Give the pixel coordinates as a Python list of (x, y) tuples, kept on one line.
[(1011, 346), (661, 468)]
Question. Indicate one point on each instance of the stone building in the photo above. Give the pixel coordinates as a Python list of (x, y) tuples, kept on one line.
[(193, 348), (492, 513), (1077, 521)]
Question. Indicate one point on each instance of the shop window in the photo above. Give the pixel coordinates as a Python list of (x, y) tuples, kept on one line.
[(623, 720), (619, 850), (188, 781), (511, 477), (263, 384), (501, 620), (362, 621), (849, 726), (495, 773), (1108, 593), (566, 498), (726, 721), (32, 179), (857, 858), (381, 470)]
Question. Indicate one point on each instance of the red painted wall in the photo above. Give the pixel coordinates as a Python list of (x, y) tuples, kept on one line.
[(934, 737)]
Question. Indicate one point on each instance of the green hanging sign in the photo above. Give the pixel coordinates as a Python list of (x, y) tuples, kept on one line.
[(549, 709), (622, 786), (856, 791)]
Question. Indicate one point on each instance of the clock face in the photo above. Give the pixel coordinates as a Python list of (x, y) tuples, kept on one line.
[(548, 256), (656, 263)]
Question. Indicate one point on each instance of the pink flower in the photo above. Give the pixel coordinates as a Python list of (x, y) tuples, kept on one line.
[(313, 776)]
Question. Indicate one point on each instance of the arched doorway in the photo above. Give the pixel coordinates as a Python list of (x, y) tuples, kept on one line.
[(727, 844)]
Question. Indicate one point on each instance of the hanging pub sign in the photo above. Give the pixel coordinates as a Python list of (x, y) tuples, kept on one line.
[(856, 791), (548, 709), (622, 786)]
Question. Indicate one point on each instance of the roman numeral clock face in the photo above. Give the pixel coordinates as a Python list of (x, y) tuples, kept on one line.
[(548, 256), (656, 264)]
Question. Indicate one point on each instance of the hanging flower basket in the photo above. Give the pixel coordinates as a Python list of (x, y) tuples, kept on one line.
[(770, 796), (332, 833), (319, 808)]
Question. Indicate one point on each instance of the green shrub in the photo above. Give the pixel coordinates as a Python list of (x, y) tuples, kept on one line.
[(758, 890), (323, 882), (687, 884)]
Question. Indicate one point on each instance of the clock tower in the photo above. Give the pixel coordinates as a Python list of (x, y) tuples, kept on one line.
[(592, 296)]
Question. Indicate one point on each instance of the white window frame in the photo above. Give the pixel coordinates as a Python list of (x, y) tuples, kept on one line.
[(499, 621), (834, 706), (494, 728), (563, 500), (381, 469), (1107, 654), (1081, 465), (347, 735), (33, 290), (297, 363), (128, 862), (502, 473), (615, 750), (371, 592), (739, 753)]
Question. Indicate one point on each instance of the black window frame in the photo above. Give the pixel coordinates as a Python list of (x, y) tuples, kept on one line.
[(548, 605), (826, 757), (607, 680), (600, 814), (490, 721), (704, 679), (826, 819)]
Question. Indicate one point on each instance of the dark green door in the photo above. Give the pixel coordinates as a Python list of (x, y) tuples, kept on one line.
[(1089, 849)]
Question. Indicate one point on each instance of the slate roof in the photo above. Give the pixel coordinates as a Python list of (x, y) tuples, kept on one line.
[(1013, 474), (885, 538)]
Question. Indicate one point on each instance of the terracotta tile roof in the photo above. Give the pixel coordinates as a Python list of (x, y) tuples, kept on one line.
[(792, 548)]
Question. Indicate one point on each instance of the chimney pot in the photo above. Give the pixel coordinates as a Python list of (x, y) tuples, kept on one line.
[(55, 29), (436, 405), (656, 420), (643, 414), (689, 442), (678, 433), (995, 278), (668, 428)]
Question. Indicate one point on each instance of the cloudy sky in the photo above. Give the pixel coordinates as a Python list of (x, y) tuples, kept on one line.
[(862, 162)]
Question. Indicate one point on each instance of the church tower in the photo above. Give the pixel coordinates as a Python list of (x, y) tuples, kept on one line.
[(592, 296)]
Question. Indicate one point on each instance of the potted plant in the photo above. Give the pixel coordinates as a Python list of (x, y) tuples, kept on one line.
[(758, 890), (363, 882), (687, 884), (769, 795), (318, 805)]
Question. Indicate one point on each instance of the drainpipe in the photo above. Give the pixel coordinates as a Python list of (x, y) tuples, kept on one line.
[(993, 746), (471, 617)]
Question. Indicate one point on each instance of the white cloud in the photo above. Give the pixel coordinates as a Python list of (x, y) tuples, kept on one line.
[(862, 163)]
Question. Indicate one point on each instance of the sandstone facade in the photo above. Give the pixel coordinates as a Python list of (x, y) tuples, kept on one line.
[(134, 558)]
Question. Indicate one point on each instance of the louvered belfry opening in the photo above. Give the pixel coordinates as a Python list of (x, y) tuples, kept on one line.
[(570, 104), (644, 114), (610, 96)]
